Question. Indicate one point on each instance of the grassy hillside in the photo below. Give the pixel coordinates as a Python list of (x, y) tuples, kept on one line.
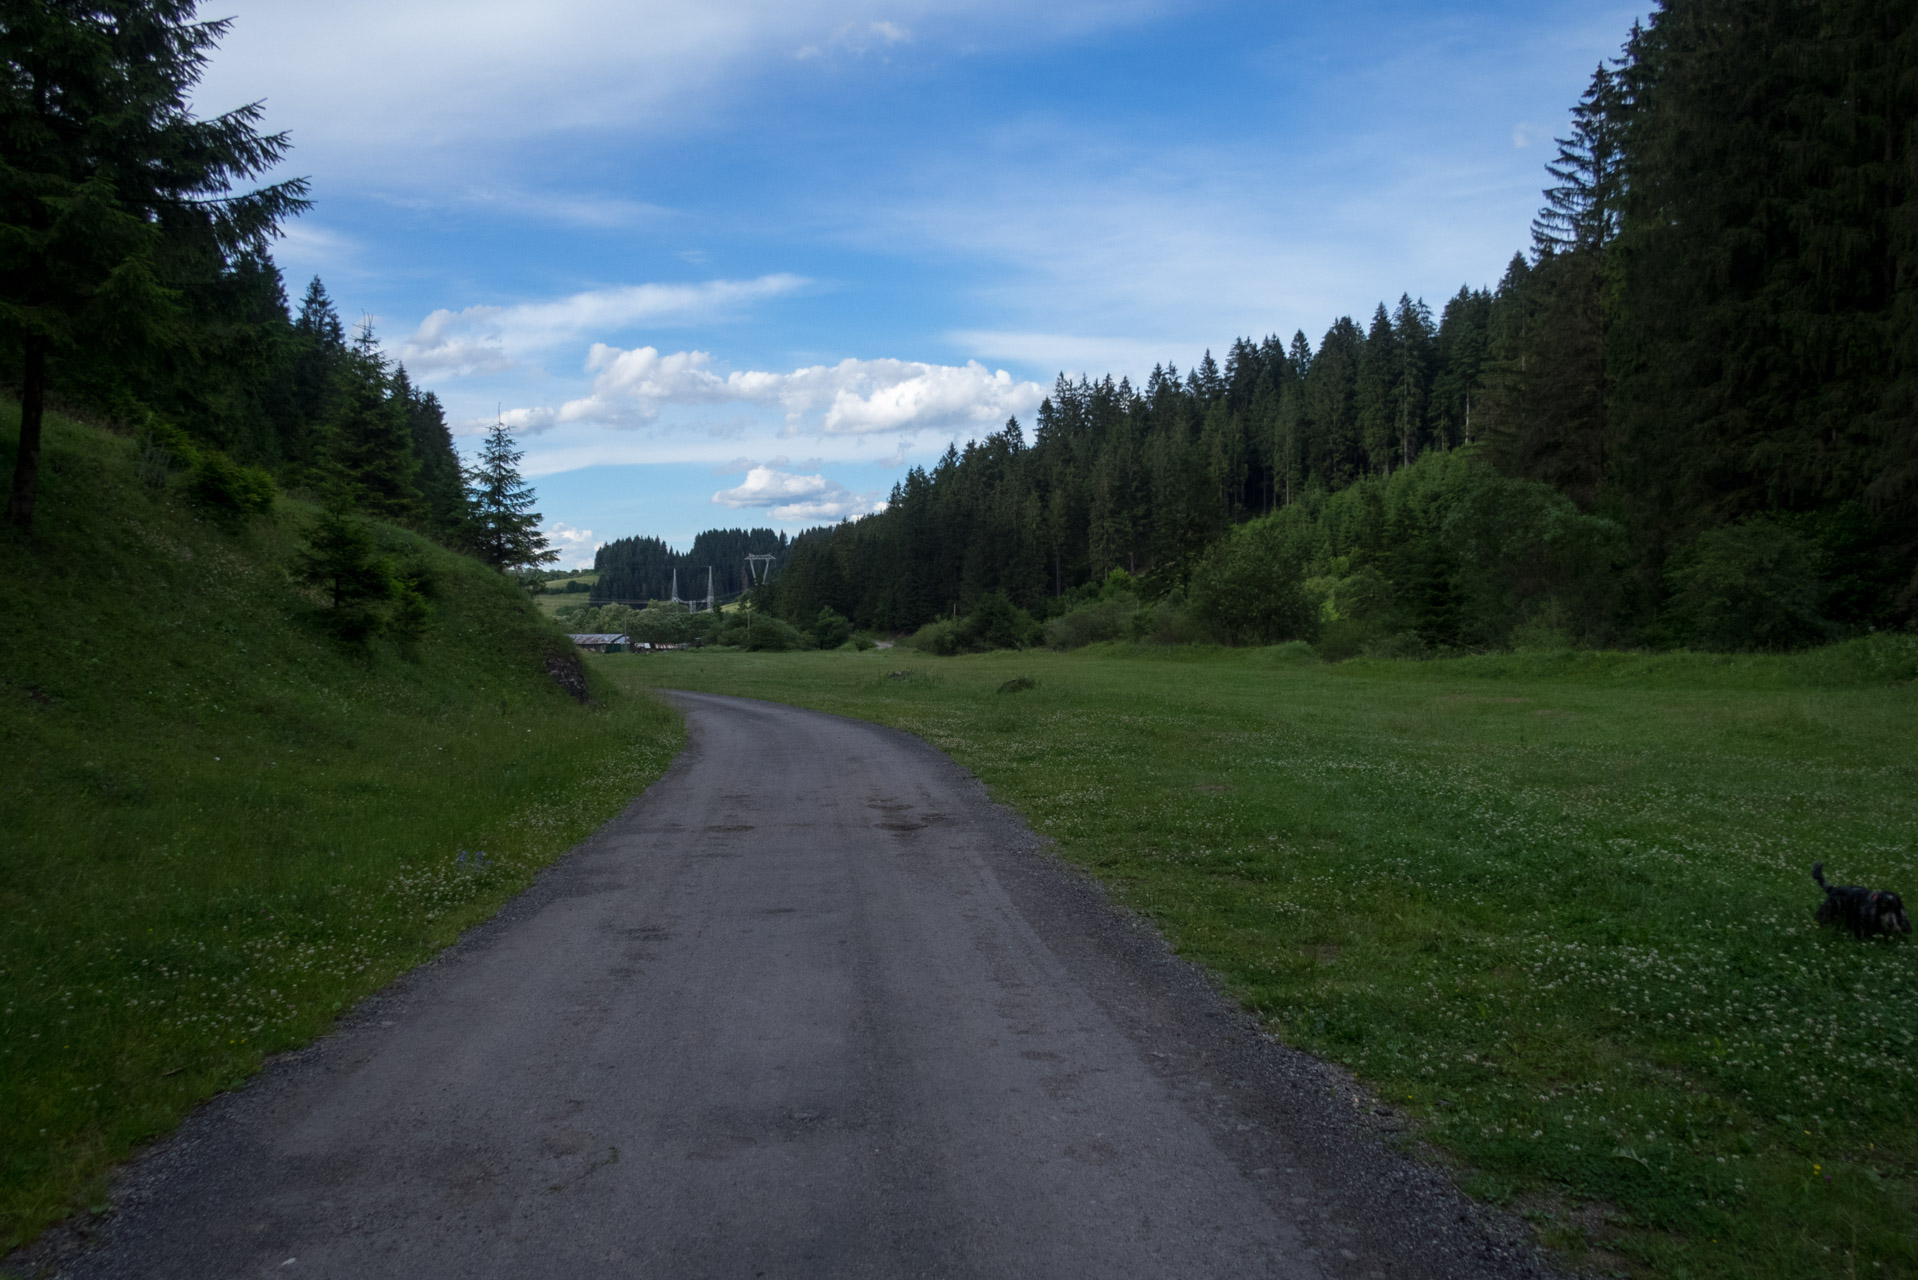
[(221, 827), (1556, 907)]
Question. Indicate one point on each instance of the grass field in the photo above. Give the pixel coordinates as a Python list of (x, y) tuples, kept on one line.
[(555, 596), (1558, 908), (221, 829)]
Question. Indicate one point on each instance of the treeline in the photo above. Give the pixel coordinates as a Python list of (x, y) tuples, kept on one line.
[(1711, 347), (286, 390), (633, 571), (136, 285)]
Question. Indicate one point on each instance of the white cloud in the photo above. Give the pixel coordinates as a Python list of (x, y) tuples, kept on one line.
[(851, 398), (1524, 134), (489, 339), (795, 498), (575, 546), (765, 487)]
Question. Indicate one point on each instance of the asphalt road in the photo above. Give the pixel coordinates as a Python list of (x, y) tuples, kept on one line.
[(813, 1006)]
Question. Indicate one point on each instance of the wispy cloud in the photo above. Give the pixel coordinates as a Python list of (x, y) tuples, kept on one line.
[(305, 246), (421, 89), (858, 38), (568, 209), (489, 339)]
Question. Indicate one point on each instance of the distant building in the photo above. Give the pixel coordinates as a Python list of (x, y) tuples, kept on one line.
[(602, 642)]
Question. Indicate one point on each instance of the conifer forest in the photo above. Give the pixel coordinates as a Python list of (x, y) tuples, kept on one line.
[(1687, 413)]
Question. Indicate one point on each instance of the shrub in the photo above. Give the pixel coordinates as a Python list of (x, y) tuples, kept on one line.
[(228, 489), (830, 629), (940, 638), (1518, 549), (1754, 585), (1166, 621), (1106, 619), (1248, 589), (770, 635), (997, 623)]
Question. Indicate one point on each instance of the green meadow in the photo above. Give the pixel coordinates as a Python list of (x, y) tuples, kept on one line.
[(1555, 907), (221, 828)]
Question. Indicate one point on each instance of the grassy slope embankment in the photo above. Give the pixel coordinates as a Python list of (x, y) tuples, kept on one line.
[(1556, 908), (221, 829)]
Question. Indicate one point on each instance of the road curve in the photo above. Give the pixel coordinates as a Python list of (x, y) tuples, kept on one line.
[(813, 1006)]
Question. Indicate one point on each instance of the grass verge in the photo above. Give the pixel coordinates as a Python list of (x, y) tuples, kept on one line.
[(221, 829), (1557, 907)]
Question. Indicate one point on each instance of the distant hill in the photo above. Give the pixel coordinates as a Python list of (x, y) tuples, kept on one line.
[(633, 571)]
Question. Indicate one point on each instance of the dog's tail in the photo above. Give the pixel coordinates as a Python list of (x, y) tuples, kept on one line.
[(1818, 874)]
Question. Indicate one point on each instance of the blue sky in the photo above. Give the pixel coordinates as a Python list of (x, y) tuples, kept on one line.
[(741, 262)]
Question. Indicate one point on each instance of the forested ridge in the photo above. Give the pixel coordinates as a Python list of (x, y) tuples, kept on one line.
[(641, 569), (137, 288), (280, 388), (1703, 372)]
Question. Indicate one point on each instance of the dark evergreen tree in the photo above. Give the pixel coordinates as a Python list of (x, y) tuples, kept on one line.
[(107, 179), (503, 529), (438, 479), (371, 439)]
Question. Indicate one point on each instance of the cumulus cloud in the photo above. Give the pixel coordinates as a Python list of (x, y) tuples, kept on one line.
[(765, 487), (575, 546), (791, 497), (851, 398), (488, 339)]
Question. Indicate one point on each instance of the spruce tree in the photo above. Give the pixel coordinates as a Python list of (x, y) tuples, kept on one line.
[(1378, 378), (1581, 212), (104, 174), (371, 440), (504, 528), (1411, 383)]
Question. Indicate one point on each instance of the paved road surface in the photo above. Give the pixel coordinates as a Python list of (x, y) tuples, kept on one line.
[(812, 1007)]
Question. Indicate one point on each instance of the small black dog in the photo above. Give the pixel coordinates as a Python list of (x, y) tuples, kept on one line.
[(1860, 909)]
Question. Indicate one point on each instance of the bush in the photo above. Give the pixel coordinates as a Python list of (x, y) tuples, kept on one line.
[(1754, 585), (940, 638), (1520, 550), (767, 634), (997, 623), (830, 629), (1106, 619), (1248, 589), (227, 488), (1167, 621)]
